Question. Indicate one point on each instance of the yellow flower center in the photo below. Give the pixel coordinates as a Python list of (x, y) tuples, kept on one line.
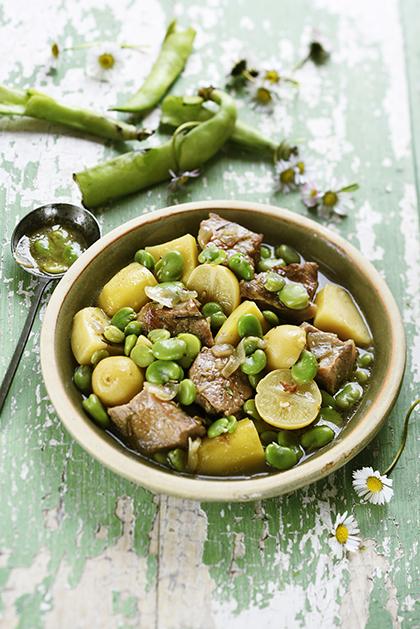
[(342, 534), (106, 60), (263, 96), (330, 199), (374, 484), (287, 176), (313, 193), (55, 51), (301, 167), (273, 76)]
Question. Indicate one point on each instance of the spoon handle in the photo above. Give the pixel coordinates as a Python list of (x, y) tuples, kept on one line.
[(8, 378)]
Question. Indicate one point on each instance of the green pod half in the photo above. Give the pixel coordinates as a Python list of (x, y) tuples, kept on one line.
[(175, 50)]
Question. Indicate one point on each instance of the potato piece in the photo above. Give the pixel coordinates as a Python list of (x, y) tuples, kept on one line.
[(338, 313), (214, 282), (126, 288), (284, 346), (228, 333), (116, 380), (86, 333), (187, 245), (239, 452)]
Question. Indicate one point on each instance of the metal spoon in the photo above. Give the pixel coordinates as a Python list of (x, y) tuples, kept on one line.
[(76, 217)]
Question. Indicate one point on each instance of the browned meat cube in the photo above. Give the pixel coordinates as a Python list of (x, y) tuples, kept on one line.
[(185, 317), (306, 274), (335, 357), (230, 237), (151, 424), (215, 393)]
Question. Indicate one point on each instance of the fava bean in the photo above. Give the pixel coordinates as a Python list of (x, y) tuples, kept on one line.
[(365, 359), (82, 378), (142, 355), (113, 334), (289, 439), (271, 318), (212, 255), (305, 369), (288, 254), (159, 334), (99, 355), (145, 258), (280, 457), (170, 267), (211, 308), (251, 343), (254, 379), (255, 363), (217, 319), (248, 325), (327, 399), (362, 375), (123, 317), (241, 267), (177, 459), (265, 251), (187, 392), (193, 346), (316, 438), (273, 282), (93, 406), (129, 343), (348, 395), (169, 349), (222, 426), (163, 371), (250, 409), (266, 264), (268, 436), (161, 458), (294, 296), (329, 414), (134, 327)]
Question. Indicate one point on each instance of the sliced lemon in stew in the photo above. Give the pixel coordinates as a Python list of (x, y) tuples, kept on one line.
[(215, 283), (284, 404)]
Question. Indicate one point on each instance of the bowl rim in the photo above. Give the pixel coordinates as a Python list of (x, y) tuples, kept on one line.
[(171, 483)]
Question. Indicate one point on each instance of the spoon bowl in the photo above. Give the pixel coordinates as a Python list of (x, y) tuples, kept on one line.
[(80, 220), (48, 215)]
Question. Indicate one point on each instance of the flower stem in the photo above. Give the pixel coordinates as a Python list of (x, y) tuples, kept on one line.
[(350, 188), (403, 438)]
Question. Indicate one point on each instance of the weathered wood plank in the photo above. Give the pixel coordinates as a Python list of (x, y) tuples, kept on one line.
[(81, 547)]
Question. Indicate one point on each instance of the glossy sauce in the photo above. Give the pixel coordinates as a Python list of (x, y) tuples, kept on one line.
[(51, 249)]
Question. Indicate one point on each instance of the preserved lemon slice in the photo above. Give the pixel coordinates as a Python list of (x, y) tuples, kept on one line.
[(215, 283), (284, 404)]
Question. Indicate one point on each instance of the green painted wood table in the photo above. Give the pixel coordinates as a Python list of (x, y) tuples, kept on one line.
[(81, 547)]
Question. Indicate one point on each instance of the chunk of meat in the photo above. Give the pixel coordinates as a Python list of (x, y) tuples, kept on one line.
[(150, 424), (305, 273), (215, 393), (230, 237), (185, 317), (335, 358)]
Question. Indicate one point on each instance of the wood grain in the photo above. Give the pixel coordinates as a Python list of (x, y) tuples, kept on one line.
[(80, 547)]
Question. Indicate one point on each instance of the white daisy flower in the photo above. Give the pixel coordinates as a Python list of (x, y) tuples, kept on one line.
[(372, 486), (103, 61), (310, 194), (286, 174), (344, 535), (336, 201)]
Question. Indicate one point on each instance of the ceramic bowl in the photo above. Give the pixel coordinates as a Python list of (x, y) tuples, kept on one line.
[(339, 260)]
